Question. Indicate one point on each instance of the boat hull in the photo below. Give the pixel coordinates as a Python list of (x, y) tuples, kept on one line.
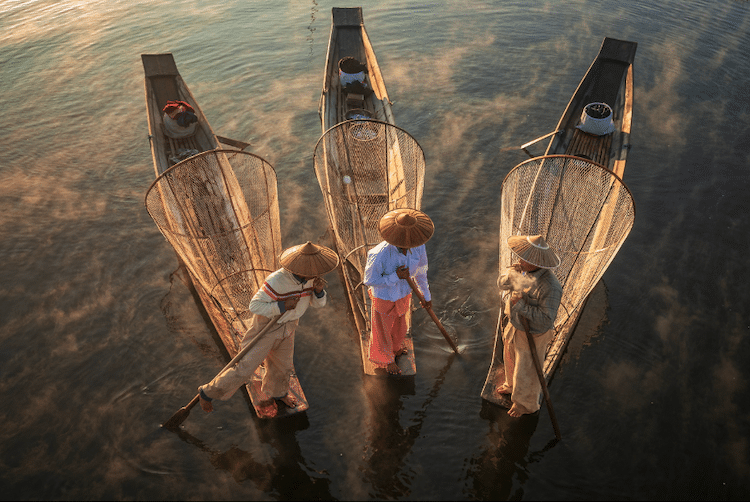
[(608, 80), (163, 83)]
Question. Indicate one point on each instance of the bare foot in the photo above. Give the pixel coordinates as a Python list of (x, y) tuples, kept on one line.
[(502, 389), (207, 406), (290, 401), (393, 369), (517, 410), (401, 352), (268, 409)]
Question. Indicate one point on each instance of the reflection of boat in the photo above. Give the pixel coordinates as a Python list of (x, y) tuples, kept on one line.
[(217, 208), (574, 195), (366, 166)]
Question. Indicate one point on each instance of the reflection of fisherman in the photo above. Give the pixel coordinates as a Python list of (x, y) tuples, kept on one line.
[(289, 291), (401, 255), (535, 294)]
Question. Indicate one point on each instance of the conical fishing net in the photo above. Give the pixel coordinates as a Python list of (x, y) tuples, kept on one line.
[(584, 212), (365, 168), (219, 211)]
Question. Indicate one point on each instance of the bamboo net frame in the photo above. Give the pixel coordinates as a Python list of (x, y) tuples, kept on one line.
[(365, 168), (219, 211), (584, 211)]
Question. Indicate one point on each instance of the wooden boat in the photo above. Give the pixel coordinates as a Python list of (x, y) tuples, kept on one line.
[(348, 39), (222, 281), (366, 166), (591, 163), (608, 80)]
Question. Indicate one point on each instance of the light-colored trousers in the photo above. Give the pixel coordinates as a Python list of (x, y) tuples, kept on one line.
[(275, 350), (521, 378)]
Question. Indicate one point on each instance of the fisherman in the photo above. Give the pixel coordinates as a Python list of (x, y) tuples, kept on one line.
[(401, 255), (529, 289), (287, 292)]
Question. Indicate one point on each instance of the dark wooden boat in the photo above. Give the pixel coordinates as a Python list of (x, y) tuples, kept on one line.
[(608, 80), (366, 166), (349, 39), (208, 275), (597, 158)]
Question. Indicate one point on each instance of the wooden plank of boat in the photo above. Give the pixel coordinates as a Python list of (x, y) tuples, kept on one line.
[(608, 80), (348, 38), (163, 83)]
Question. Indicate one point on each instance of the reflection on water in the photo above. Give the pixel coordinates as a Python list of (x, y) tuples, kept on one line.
[(500, 471), (286, 476), (99, 344), (389, 442)]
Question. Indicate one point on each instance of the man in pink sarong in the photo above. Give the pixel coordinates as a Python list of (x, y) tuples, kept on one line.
[(530, 290), (401, 255)]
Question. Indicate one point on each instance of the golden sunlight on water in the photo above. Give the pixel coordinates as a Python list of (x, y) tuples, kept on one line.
[(101, 342)]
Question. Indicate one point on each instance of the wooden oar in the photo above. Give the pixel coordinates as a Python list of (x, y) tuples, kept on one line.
[(539, 373), (528, 144), (183, 412), (233, 142), (432, 314)]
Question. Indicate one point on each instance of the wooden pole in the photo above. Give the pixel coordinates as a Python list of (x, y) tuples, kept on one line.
[(432, 314), (182, 414), (539, 373), (528, 144)]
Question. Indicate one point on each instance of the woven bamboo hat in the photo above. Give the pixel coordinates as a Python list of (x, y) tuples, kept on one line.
[(406, 228), (534, 249), (309, 260)]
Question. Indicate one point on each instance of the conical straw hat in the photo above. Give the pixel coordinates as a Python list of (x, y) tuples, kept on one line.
[(534, 249), (309, 260), (406, 228)]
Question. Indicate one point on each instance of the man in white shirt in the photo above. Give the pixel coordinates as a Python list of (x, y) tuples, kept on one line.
[(401, 255), (287, 292)]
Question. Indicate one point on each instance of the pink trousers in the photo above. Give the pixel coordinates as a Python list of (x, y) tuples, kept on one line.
[(388, 329)]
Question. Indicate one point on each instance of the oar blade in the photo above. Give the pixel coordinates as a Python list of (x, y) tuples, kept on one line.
[(176, 420)]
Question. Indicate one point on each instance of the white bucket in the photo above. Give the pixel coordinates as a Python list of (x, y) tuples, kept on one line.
[(596, 119)]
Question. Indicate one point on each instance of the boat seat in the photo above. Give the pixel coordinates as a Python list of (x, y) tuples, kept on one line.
[(591, 147), (354, 101), (174, 145)]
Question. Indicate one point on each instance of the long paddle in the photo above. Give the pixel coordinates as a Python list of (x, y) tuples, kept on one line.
[(432, 314), (183, 412), (539, 373), (527, 144)]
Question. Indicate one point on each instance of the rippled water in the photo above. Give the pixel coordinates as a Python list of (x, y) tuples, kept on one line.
[(100, 342)]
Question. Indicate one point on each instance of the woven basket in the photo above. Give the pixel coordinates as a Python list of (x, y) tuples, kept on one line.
[(596, 119)]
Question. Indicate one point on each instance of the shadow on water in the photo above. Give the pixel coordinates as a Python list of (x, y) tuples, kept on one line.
[(389, 443), (287, 475), (500, 471)]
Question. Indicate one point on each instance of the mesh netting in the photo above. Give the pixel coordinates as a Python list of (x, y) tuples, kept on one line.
[(365, 169), (219, 211), (584, 211)]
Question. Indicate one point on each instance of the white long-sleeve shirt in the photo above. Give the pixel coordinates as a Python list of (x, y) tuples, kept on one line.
[(279, 286), (381, 276)]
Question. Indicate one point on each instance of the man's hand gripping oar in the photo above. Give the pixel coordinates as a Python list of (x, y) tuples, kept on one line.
[(176, 420)]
